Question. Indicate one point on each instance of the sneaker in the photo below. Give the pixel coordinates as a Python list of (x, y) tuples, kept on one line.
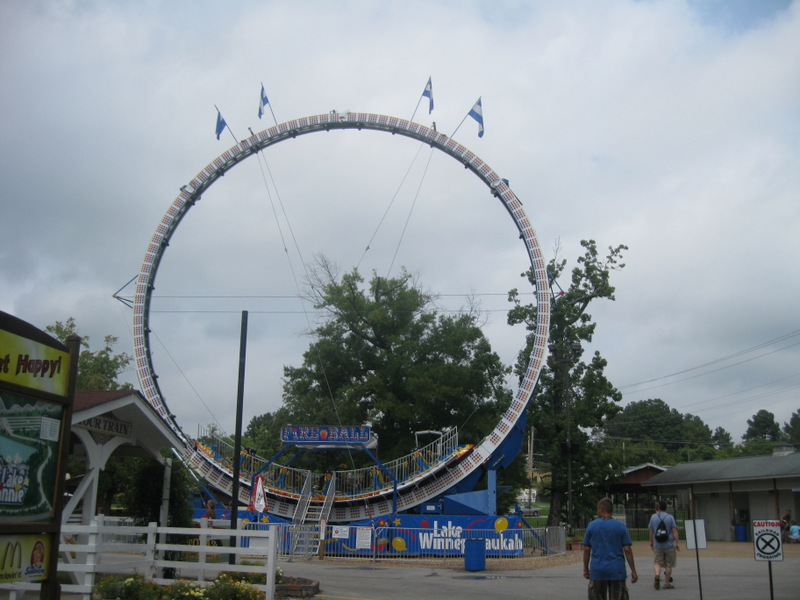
[(668, 586), (657, 583)]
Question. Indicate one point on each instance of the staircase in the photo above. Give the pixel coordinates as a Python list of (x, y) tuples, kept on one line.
[(308, 517)]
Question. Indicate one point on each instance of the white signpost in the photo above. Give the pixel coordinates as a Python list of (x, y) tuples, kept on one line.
[(767, 544), (695, 534), (695, 540)]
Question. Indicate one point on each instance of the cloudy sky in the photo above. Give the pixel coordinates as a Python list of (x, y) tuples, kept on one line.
[(669, 126)]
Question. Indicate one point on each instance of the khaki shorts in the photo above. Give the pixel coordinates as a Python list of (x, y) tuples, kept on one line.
[(666, 557)]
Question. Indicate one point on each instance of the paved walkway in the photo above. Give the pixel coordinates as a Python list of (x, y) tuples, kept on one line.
[(727, 571), (730, 573)]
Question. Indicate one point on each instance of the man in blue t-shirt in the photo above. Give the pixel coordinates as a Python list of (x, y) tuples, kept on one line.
[(665, 555), (607, 544)]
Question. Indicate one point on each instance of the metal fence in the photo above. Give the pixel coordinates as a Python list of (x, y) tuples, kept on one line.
[(445, 545)]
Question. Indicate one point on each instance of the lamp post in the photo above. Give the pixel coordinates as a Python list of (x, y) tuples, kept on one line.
[(565, 361)]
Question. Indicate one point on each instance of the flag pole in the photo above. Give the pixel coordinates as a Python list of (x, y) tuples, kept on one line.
[(416, 108), (477, 115), (427, 91), (226, 125), (270, 108), (459, 125)]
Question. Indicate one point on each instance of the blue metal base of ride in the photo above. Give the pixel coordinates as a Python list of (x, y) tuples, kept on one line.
[(413, 534), (432, 535)]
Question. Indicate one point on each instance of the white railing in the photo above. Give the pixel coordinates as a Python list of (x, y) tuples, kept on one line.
[(356, 483), (198, 554)]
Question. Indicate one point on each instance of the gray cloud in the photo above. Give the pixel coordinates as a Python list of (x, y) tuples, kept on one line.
[(670, 127)]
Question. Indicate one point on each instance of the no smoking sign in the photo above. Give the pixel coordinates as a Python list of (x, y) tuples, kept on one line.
[(767, 540)]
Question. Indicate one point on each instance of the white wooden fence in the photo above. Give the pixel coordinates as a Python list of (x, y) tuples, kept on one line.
[(196, 554)]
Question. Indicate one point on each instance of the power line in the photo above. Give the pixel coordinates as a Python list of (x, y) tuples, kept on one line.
[(632, 439), (718, 361)]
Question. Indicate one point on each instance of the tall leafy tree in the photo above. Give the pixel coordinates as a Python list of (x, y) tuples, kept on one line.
[(647, 420), (722, 439), (263, 432), (754, 447), (791, 430), (763, 426), (383, 355), (667, 435), (142, 495), (569, 384), (98, 370)]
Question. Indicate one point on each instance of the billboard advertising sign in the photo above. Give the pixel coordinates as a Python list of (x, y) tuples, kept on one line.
[(36, 393)]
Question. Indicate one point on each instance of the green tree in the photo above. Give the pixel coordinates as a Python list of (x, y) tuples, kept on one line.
[(568, 385), (667, 435), (141, 496), (649, 420), (263, 432), (626, 453), (763, 426), (791, 430), (384, 356), (754, 447), (722, 439), (96, 370)]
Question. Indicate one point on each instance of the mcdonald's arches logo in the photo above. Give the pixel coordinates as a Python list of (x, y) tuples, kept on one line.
[(24, 557), (12, 549)]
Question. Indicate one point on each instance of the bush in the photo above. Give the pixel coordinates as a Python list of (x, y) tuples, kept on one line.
[(253, 578), (137, 588), (108, 586), (186, 590), (228, 586)]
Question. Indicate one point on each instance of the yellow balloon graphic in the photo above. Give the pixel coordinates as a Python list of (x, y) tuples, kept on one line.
[(399, 544), (501, 524)]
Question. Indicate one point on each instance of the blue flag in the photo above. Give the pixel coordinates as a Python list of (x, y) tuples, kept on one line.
[(477, 114), (262, 104), (221, 124), (428, 92)]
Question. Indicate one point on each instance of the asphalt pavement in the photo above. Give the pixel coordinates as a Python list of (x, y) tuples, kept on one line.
[(721, 579), (731, 573)]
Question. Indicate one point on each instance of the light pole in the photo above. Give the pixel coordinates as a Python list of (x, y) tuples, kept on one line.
[(565, 362)]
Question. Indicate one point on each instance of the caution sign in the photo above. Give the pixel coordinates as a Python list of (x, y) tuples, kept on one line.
[(767, 540)]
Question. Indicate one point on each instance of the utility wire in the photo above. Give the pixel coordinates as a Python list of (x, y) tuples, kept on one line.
[(718, 361)]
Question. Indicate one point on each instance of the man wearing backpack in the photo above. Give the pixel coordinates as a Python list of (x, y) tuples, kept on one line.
[(664, 542)]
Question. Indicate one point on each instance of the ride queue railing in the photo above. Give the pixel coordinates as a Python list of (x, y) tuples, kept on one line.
[(401, 544), (355, 484)]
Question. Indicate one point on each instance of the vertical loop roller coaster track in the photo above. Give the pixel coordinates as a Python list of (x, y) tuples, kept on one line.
[(193, 190)]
